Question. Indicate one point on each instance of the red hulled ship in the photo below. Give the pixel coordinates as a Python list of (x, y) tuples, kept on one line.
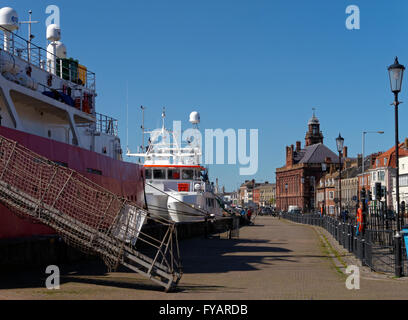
[(47, 104)]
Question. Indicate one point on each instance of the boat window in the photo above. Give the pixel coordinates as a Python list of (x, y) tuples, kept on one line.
[(198, 174), (159, 174), (148, 174), (188, 174), (173, 174)]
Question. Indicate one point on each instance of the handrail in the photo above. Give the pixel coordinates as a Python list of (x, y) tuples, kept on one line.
[(37, 56), (106, 124)]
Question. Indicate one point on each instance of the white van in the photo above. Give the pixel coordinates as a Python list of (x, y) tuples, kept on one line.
[(294, 209)]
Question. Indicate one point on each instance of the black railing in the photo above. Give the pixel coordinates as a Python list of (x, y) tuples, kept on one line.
[(375, 248)]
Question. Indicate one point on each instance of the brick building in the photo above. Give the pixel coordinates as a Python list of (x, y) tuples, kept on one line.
[(383, 171), (296, 182), (246, 193)]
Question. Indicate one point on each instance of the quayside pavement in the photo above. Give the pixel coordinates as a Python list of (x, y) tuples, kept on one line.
[(273, 259)]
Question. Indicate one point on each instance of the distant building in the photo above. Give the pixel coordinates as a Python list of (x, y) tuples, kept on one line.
[(267, 194), (384, 172), (246, 193), (326, 191), (403, 180), (296, 182)]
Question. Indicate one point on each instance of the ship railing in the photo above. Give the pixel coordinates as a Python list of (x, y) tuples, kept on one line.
[(106, 124), (66, 69)]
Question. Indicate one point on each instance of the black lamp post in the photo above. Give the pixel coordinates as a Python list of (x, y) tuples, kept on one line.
[(287, 202), (340, 144), (396, 73), (324, 168)]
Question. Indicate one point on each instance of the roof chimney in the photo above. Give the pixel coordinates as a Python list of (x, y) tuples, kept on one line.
[(298, 146), (345, 149), (359, 160)]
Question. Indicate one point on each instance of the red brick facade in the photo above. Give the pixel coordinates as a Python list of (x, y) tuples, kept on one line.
[(297, 181)]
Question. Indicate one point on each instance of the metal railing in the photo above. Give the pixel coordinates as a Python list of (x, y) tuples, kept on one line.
[(106, 124), (37, 56), (375, 248)]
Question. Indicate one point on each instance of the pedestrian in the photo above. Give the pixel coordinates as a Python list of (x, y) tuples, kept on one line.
[(249, 215), (359, 219)]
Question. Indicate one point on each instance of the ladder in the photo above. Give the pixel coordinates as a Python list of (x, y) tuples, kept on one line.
[(87, 216)]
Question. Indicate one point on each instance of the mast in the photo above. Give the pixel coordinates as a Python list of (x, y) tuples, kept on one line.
[(143, 128), (30, 35)]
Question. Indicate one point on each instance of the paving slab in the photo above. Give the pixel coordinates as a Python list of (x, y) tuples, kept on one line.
[(273, 259)]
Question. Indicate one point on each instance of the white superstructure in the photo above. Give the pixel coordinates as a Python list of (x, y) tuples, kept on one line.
[(44, 94), (177, 186)]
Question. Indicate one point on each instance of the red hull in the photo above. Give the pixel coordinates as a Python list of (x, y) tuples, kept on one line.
[(122, 178)]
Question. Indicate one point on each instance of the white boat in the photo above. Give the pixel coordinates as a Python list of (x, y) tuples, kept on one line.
[(177, 186)]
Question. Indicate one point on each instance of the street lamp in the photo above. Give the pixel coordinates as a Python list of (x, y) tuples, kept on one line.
[(287, 202), (396, 73), (324, 168), (340, 144)]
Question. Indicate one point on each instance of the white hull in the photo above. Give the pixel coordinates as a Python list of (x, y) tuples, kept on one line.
[(189, 207), (157, 204)]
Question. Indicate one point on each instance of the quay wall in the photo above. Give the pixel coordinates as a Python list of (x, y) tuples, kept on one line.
[(51, 250)]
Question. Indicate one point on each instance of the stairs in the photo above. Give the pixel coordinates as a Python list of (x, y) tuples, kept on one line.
[(87, 216)]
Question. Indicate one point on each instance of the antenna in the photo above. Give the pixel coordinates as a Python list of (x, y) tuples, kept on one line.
[(143, 127), (30, 36), (164, 115), (127, 115)]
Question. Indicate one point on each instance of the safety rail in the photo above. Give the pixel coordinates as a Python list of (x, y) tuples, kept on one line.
[(106, 124), (375, 248), (87, 216), (37, 56)]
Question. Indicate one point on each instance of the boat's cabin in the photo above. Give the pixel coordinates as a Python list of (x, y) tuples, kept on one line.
[(180, 178), (174, 174)]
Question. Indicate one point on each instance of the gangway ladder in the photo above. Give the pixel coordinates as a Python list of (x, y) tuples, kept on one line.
[(87, 216)]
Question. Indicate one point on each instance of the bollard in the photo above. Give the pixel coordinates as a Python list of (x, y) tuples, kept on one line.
[(398, 255)]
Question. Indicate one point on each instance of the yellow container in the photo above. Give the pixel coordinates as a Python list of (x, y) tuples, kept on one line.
[(82, 71)]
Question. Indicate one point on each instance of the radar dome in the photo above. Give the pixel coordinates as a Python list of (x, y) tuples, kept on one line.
[(195, 117), (53, 32), (8, 18), (61, 50)]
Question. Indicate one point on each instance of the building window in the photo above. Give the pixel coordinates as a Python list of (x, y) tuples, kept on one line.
[(385, 161), (331, 195), (381, 175), (403, 180)]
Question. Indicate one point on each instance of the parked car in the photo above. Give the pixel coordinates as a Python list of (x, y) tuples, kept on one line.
[(265, 211)]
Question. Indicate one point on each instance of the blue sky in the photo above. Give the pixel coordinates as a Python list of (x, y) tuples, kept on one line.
[(243, 64)]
